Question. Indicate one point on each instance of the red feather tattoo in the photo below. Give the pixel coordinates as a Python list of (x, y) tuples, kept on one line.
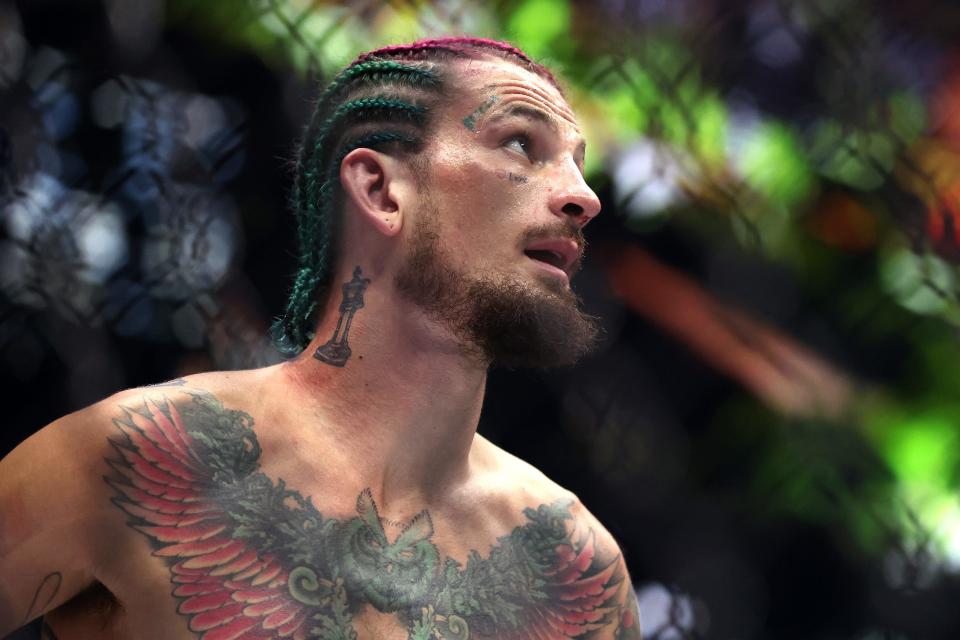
[(250, 559), (225, 587)]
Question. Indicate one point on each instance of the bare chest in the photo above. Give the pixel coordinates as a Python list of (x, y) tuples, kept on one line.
[(296, 573), (222, 550)]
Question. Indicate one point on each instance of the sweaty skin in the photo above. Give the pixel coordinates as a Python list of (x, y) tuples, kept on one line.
[(343, 496)]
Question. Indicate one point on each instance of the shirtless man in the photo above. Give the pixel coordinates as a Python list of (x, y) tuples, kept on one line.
[(345, 493)]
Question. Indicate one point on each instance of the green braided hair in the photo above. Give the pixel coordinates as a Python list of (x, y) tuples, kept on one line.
[(381, 101)]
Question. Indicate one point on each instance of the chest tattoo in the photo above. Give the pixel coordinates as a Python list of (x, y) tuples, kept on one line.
[(250, 558)]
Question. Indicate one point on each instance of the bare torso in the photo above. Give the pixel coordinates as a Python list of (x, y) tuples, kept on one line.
[(227, 525)]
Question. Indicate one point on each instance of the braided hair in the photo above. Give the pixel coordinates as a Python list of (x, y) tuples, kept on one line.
[(381, 101)]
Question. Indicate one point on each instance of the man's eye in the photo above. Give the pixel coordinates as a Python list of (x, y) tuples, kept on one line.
[(519, 143)]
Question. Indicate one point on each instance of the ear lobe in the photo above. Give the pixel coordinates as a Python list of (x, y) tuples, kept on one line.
[(366, 176)]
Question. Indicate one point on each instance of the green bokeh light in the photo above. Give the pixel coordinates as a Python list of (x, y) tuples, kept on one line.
[(400, 25), (908, 116), (919, 442), (918, 282), (855, 157), (536, 24), (922, 450), (625, 115), (710, 137), (773, 163)]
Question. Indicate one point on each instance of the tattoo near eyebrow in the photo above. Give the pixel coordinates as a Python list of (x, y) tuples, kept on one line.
[(470, 122)]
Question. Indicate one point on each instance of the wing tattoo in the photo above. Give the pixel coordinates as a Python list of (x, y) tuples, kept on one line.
[(250, 559), (540, 581), (580, 597), (226, 586)]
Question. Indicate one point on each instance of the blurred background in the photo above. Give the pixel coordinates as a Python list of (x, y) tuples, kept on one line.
[(770, 428)]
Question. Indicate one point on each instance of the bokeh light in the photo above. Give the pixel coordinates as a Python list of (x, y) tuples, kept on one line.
[(770, 426)]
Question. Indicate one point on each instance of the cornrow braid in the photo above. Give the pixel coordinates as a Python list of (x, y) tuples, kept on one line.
[(383, 71), (379, 70), (381, 101), (293, 331), (362, 109), (462, 47), (346, 117)]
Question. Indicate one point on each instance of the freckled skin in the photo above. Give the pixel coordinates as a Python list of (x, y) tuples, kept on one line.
[(482, 223)]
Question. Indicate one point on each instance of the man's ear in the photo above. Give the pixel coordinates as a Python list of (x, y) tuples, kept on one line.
[(369, 180)]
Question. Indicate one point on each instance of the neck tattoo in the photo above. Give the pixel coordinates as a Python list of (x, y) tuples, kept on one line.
[(336, 351)]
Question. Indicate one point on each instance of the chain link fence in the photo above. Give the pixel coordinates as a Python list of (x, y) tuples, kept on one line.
[(797, 162)]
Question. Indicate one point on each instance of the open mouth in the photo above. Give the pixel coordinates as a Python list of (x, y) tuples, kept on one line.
[(558, 254), (553, 258)]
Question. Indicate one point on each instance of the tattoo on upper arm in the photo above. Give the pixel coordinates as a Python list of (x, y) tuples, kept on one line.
[(336, 350), (44, 595), (248, 554)]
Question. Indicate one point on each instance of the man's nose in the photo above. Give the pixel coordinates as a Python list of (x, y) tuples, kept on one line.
[(574, 198)]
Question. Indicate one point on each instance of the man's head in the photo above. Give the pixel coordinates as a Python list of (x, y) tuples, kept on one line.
[(464, 156)]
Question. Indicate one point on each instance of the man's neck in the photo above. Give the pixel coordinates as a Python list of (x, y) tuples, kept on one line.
[(402, 398)]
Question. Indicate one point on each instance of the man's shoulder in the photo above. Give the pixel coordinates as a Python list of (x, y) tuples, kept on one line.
[(505, 472), (88, 431), (523, 486), (587, 555), (230, 387)]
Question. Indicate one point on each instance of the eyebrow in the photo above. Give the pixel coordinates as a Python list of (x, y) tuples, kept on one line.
[(532, 113)]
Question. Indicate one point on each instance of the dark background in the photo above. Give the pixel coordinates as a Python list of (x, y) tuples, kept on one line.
[(742, 430)]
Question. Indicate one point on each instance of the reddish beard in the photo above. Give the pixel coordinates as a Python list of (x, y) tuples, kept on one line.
[(504, 320)]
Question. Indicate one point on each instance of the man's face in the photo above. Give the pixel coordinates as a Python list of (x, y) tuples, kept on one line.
[(498, 233)]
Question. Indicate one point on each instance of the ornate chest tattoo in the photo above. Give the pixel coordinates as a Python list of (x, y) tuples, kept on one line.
[(250, 558)]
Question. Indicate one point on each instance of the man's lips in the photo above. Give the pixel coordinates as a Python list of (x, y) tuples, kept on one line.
[(561, 253)]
